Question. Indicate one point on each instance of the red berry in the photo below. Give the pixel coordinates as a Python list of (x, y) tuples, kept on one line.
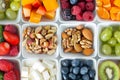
[(89, 0), (63, 0), (6, 65), (17, 74), (90, 6), (65, 5), (82, 5), (10, 76), (14, 51), (88, 16), (79, 17), (11, 28), (75, 10)]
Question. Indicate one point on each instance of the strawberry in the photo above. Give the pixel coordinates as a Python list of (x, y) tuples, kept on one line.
[(11, 29), (6, 65), (14, 51), (10, 76), (17, 74)]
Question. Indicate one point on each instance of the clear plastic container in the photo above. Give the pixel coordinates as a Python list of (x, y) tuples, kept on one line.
[(101, 26), (19, 54), (91, 26), (33, 60), (25, 54), (94, 65)]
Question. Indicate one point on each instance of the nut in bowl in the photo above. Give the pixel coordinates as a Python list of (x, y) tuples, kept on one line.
[(78, 40), (39, 69), (109, 40), (40, 40)]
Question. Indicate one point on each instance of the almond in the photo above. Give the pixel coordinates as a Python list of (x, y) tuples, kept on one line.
[(88, 52), (80, 27), (77, 47), (87, 33), (64, 35), (68, 49)]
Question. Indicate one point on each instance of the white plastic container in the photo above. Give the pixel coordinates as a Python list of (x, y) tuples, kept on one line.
[(102, 60), (94, 65), (33, 60), (43, 18), (19, 54), (101, 26), (91, 26), (25, 54)]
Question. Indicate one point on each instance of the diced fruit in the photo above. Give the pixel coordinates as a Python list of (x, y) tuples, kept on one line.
[(88, 16), (41, 10), (26, 2), (10, 76), (34, 17), (11, 14), (36, 4), (4, 48), (13, 39), (17, 73), (99, 3), (75, 10), (50, 15), (27, 10), (118, 16), (15, 5), (1, 34), (14, 51), (50, 5), (115, 10), (6, 65), (11, 29), (117, 3)]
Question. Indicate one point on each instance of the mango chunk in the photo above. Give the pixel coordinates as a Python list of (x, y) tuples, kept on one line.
[(27, 10), (50, 5), (50, 15), (115, 10), (26, 2), (117, 3), (34, 17)]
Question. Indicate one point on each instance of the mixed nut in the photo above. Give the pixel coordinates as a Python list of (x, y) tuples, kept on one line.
[(78, 39), (41, 39)]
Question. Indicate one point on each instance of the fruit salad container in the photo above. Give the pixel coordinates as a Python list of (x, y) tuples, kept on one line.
[(32, 64), (15, 52), (16, 7), (90, 26), (82, 5), (113, 42), (27, 54), (64, 63), (111, 65)]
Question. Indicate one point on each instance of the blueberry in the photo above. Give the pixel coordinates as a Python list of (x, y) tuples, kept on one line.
[(75, 62), (85, 77), (83, 70), (65, 77), (81, 63), (71, 69), (66, 14), (76, 70), (92, 73), (73, 2), (72, 76), (65, 63), (78, 77), (89, 63), (65, 70)]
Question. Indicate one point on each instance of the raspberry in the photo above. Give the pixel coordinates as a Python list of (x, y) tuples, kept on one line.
[(88, 16), (10, 76), (75, 10), (82, 5), (6, 65), (90, 6), (63, 1), (89, 0), (79, 17), (11, 28), (65, 5), (14, 51)]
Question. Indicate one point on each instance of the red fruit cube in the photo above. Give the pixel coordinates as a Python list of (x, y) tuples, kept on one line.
[(79, 17), (11, 29), (14, 51), (10, 76), (36, 4), (41, 10), (88, 16), (75, 10)]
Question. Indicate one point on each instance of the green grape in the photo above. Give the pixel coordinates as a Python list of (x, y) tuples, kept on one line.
[(117, 49), (15, 6), (106, 49), (112, 41), (106, 34), (2, 15), (117, 35), (17, 0), (11, 14)]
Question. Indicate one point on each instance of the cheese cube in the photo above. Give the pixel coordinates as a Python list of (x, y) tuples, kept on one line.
[(30, 62), (24, 78), (24, 72), (46, 75), (35, 75), (49, 64), (52, 72), (38, 66), (53, 78)]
